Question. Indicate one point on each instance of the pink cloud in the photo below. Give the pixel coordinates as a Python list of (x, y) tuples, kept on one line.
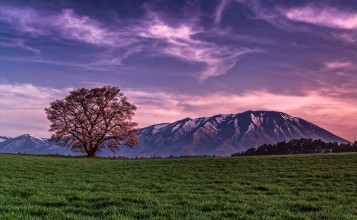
[(181, 43), (323, 16), (22, 108), (82, 28), (332, 65), (346, 37), (66, 24), (326, 16)]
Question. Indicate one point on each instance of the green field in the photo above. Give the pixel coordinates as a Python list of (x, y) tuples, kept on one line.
[(273, 187)]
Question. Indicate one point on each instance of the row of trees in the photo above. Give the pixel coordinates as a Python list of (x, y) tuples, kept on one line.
[(299, 146)]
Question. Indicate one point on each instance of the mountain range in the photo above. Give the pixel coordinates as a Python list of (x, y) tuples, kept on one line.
[(217, 135)]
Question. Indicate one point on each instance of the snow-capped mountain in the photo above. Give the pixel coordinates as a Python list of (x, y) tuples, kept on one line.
[(29, 144), (216, 135), (3, 138), (226, 134)]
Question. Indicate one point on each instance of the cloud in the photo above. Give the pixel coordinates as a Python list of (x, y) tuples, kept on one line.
[(65, 23), (323, 16), (22, 109), (153, 34), (82, 28), (345, 37), (25, 19), (333, 65), (18, 43), (219, 11), (275, 15), (26, 91), (181, 42), (341, 23)]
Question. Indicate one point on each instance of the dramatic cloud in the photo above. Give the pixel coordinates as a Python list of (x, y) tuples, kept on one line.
[(342, 23), (324, 16), (180, 42), (82, 28), (66, 23)]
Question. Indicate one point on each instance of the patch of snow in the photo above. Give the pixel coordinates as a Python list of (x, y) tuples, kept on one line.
[(33, 137), (220, 118), (189, 125), (3, 138), (209, 126), (277, 129), (158, 128), (250, 128), (256, 120), (290, 118), (175, 127), (236, 127), (204, 119)]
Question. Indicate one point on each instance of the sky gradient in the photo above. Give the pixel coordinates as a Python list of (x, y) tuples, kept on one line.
[(175, 59)]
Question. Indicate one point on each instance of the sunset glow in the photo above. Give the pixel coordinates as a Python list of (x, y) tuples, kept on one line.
[(178, 59)]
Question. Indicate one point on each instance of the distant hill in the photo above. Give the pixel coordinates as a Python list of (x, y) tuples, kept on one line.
[(29, 144), (217, 135), (3, 138)]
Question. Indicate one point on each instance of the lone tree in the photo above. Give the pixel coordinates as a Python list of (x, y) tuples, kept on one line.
[(92, 119)]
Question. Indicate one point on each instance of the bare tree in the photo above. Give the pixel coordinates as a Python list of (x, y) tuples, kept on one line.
[(92, 119)]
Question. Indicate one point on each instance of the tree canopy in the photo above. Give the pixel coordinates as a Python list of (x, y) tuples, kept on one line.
[(91, 119)]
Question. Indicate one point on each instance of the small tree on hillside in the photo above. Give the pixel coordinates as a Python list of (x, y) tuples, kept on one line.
[(92, 119)]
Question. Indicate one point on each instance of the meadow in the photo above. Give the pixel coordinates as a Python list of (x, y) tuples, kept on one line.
[(267, 187)]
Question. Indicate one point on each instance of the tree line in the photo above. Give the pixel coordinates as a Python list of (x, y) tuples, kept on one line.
[(299, 146)]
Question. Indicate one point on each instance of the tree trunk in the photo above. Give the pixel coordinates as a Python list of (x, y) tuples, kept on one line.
[(92, 153)]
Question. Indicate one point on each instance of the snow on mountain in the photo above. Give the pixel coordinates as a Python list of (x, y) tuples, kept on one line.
[(227, 134), (3, 138), (216, 135), (29, 144)]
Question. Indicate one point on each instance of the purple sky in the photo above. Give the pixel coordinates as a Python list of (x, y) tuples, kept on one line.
[(177, 59)]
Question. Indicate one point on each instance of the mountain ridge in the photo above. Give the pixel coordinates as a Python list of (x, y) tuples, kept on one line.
[(221, 134)]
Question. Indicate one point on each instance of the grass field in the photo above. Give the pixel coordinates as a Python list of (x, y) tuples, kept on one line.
[(274, 187)]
